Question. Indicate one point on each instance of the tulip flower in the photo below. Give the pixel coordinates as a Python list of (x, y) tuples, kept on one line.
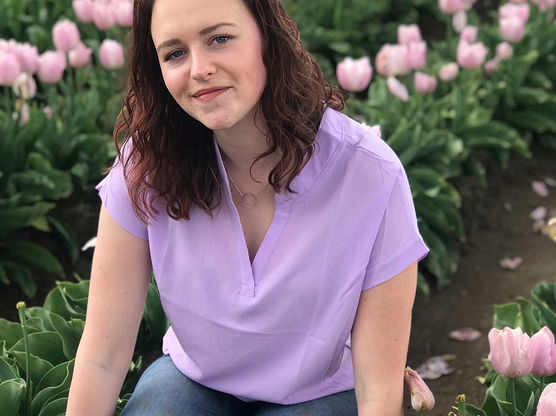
[(422, 398), (471, 55), (504, 51), (544, 5), (111, 54), (491, 65), (397, 89), (511, 29), (80, 56), (459, 21), (408, 33), (544, 353), (448, 72), (23, 113), (84, 10), (393, 60), (519, 11), (452, 6), (51, 66), (9, 68), (417, 54), (123, 12), (103, 16), (469, 34), (354, 74), (25, 86), (510, 352), (547, 401), (65, 35), (424, 83), (28, 57)]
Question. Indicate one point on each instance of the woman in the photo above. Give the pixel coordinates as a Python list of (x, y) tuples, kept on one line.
[(287, 271)]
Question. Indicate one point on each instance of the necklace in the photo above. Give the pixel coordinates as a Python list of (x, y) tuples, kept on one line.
[(248, 200)]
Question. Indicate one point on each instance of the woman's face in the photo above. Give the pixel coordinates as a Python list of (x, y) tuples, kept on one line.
[(205, 44)]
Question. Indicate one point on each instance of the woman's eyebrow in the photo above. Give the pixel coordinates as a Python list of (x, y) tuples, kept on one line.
[(203, 32)]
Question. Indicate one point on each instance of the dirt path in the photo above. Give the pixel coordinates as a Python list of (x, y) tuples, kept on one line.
[(493, 232)]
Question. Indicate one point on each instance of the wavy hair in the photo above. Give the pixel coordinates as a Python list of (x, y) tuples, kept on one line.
[(172, 156)]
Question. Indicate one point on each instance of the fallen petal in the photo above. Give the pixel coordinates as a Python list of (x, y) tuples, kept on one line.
[(436, 367), (507, 206), (91, 243), (538, 214), (539, 188), (465, 334), (511, 263), (550, 181)]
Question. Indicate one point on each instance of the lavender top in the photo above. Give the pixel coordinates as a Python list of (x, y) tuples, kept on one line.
[(278, 329)]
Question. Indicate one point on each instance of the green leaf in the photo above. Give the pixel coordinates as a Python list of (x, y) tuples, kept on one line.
[(544, 295), (69, 331), (67, 235), (16, 218), (38, 367), (505, 315), (7, 371), (3, 276), (530, 405), (10, 332), (46, 345), (35, 256), (55, 407), (12, 393), (20, 275), (53, 383)]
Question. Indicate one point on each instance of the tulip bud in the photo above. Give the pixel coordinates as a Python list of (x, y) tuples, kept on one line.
[(65, 35), (504, 51), (103, 16), (397, 89), (424, 83), (392, 60), (448, 72), (510, 352), (417, 54), (471, 55), (518, 11), (51, 66), (111, 54), (459, 21), (9, 68), (28, 57), (123, 12), (544, 5), (544, 353), (80, 56), (491, 65), (84, 10), (452, 6), (408, 33), (511, 29), (547, 401), (354, 74), (25, 86), (469, 34), (422, 398)]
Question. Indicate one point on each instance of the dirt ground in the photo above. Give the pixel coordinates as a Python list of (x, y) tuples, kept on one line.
[(493, 232)]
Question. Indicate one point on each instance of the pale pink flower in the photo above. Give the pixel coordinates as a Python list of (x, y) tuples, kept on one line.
[(80, 56), (23, 113), (448, 72), (123, 11), (51, 66), (471, 55), (111, 54), (465, 334), (354, 74), (539, 188), (397, 89), (544, 353), (424, 83), (408, 33), (491, 65), (452, 6), (544, 5), (547, 401), (510, 353), (519, 11), (28, 57), (538, 214), (104, 16), (469, 34), (504, 51), (417, 54), (511, 263), (392, 60), (25, 86), (459, 21), (65, 35), (84, 10), (422, 398), (511, 29), (48, 111), (9, 68)]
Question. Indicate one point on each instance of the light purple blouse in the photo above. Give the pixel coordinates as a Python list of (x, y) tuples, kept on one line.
[(279, 329)]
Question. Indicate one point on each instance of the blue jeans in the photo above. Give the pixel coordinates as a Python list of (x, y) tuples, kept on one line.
[(163, 390)]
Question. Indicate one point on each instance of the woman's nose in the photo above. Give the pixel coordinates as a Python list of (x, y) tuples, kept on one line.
[(202, 66)]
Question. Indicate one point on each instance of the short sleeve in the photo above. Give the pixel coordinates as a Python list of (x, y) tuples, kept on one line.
[(115, 198), (398, 242)]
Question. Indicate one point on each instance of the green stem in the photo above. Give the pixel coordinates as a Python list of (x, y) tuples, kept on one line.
[(542, 383), (23, 319)]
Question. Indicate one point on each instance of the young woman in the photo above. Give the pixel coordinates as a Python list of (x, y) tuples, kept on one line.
[(281, 233)]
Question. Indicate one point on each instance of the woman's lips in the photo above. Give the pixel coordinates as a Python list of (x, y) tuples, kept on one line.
[(210, 95)]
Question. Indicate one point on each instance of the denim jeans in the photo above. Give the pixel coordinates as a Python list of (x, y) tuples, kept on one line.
[(163, 390)]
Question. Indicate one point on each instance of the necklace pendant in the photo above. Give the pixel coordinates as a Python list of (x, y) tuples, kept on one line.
[(249, 200)]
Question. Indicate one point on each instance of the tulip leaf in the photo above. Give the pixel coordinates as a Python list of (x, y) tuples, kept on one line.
[(544, 295), (7, 371), (46, 345), (69, 331), (53, 383), (37, 366), (530, 405), (35, 256), (55, 407), (12, 393)]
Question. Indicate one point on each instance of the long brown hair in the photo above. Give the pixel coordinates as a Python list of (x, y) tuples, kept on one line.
[(172, 155)]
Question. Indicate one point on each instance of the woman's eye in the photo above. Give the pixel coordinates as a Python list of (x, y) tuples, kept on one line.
[(172, 55), (226, 38)]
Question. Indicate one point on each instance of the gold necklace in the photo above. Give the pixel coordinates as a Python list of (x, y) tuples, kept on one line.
[(248, 200)]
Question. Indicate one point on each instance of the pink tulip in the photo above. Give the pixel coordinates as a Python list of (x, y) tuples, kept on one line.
[(510, 352), (123, 11), (448, 72), (80, 56), (51, 66), (28, 57), (544, 350), (544, 5), (547, 401), (491, 65), (408, 33), (84, 10), (518, 1), (469, 34), (24, 113), (9, 68), (471, 55), (25, 86), (504, 51), (397, 89), (354, 74), (511, 29), (422, 398), (519, 11), (103, 16), (48, 111), (424, 83), (111, 54), (452, 6), (65, 35), (459, 21), (417, 54), (392, 60)]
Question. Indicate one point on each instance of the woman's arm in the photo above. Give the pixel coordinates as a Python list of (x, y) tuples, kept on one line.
[(379, 344), (120, 278)]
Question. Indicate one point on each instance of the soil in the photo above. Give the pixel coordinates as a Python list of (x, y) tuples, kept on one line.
[(493, 232)]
